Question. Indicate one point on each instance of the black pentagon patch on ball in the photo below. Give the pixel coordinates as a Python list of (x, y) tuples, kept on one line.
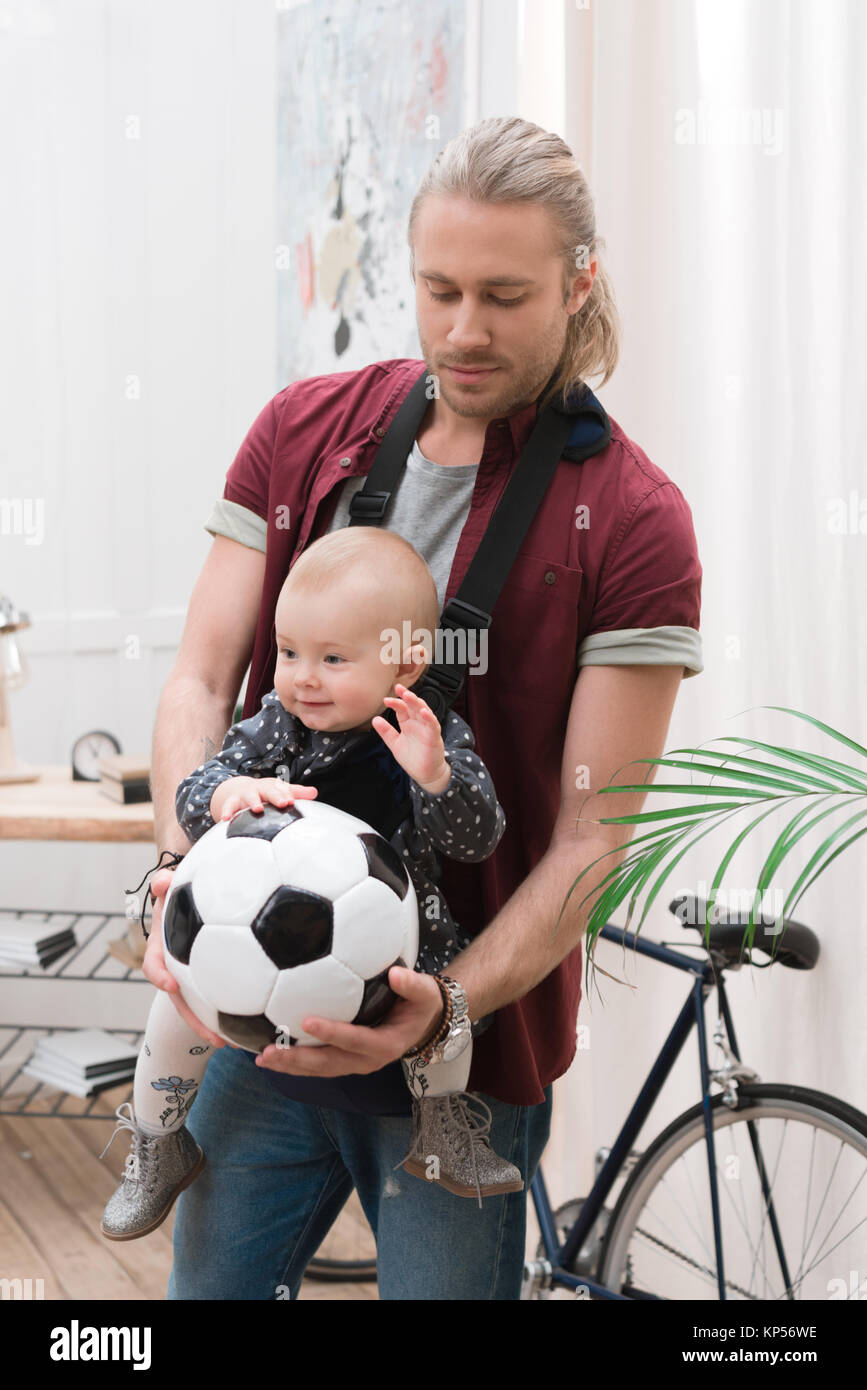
[(294, 927), (251, 1031), (384, 863), (377, 999), (181, 923), (264, 824)]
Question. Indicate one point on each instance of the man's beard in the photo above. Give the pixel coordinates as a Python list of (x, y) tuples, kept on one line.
[(518, 389)]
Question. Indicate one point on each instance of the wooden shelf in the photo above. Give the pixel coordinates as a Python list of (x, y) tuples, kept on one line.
[(57, 808)]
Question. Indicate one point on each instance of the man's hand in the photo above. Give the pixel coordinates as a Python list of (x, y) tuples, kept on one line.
[(154, 963), (249, 793), (353, 1049), (419, 746)]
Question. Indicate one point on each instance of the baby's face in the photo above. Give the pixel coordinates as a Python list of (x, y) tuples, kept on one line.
[(329, 672)]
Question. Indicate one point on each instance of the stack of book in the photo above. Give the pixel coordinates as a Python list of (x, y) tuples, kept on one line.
[(82, 1062), (124, 777), (24, 944)]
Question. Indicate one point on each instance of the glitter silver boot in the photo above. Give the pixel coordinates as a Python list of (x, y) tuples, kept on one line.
[(158, 1168), (450, 1146)]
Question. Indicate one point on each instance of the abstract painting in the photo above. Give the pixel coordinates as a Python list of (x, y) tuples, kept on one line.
[(367, 95)]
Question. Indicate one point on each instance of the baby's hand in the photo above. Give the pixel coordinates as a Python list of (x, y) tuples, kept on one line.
[(419, 746), (249, 793)]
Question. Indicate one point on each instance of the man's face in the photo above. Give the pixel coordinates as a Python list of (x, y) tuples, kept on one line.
[(516, 325)]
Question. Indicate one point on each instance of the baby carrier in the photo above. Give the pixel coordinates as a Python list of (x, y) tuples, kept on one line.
[(556, 433)]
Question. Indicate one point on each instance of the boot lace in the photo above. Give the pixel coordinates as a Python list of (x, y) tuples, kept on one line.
[(141, 1145), (476, 1126)]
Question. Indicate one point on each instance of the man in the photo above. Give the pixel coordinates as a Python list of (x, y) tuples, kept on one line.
[(591, 636)]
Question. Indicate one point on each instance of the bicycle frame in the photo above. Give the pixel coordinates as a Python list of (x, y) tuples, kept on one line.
[(692, 1014)]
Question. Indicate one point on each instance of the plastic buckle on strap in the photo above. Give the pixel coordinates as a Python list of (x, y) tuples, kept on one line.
[(440, 687), (458, 612), (443, 679), (369, 505)]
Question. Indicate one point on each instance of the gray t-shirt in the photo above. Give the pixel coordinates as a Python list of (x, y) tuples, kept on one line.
[(428, 509)]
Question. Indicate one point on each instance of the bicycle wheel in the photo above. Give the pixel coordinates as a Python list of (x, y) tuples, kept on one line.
[(792, 1177), (341, 1271), (348, 1252)]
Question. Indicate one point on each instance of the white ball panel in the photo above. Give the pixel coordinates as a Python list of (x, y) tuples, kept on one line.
[(369, 931), (324, 988), (205, 853), (190, 995), (235, 886), (318, 857), (320, 811), (229, 967), (409, 911)]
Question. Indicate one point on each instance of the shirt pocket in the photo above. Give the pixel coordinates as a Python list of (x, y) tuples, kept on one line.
[(533, 639)]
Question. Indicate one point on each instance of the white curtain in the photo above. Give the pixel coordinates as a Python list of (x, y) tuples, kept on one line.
[(726, 142)]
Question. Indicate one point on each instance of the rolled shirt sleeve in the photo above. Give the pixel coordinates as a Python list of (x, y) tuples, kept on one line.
[(648, 601), (242, 511)]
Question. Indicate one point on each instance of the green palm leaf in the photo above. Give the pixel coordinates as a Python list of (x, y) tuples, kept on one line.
[(791, 777)]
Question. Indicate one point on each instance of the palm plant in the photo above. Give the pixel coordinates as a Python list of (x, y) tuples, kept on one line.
[(805, 779)]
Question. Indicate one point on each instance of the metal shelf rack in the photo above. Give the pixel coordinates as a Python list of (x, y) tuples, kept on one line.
[(88, 960)]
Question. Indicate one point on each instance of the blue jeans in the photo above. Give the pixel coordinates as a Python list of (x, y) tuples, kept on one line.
[(278, 1173)]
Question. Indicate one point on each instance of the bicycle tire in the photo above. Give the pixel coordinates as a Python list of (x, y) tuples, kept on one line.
[(688, 1129)]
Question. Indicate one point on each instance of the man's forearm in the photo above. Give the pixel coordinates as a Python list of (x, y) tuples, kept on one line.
[(190, 726), (523, 943)]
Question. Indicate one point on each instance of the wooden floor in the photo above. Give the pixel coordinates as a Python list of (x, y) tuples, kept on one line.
[(53, 1190)]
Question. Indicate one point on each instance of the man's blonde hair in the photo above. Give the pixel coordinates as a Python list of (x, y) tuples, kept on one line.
[(389, 572), (506, 159)]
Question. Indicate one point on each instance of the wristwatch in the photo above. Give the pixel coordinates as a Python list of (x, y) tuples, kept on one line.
[(460, 1031)]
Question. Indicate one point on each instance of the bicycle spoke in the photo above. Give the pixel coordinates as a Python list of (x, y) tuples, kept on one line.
[(695, 1203), (766, 1199), (746, 1232), (686, 1260), (824, 1200), (678, 1208), (796, 1202), (744, 1221), (833, 1247), (837, 1218), (807, 1205), (681, 1259)]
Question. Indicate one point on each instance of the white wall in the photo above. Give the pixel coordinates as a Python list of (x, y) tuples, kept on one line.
[(138, 281)]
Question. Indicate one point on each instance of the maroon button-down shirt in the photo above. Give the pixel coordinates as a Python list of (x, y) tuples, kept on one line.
[(608, 573)]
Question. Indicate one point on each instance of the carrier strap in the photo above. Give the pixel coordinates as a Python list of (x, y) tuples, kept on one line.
[(473, 605)]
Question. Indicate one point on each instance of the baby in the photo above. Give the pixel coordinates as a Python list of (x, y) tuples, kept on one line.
[(324, 731)]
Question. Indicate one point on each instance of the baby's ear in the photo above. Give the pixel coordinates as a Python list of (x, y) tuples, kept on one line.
[(416, 655), (415, 661)]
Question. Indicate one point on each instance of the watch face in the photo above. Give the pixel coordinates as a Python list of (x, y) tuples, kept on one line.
[(455, 1041), (87, 752)]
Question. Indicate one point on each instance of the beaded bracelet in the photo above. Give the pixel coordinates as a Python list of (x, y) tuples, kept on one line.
[(445, 1023)]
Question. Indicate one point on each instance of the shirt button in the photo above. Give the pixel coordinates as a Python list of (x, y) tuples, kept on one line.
[(344, 463), (379, 432), (550, 577)]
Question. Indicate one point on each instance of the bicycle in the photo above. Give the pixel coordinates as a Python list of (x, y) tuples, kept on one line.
[(669, 1235)]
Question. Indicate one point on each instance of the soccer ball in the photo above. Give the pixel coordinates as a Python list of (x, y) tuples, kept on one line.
[(280, 914)]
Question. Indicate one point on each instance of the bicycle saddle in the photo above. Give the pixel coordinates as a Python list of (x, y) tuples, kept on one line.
[(790, 943)]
